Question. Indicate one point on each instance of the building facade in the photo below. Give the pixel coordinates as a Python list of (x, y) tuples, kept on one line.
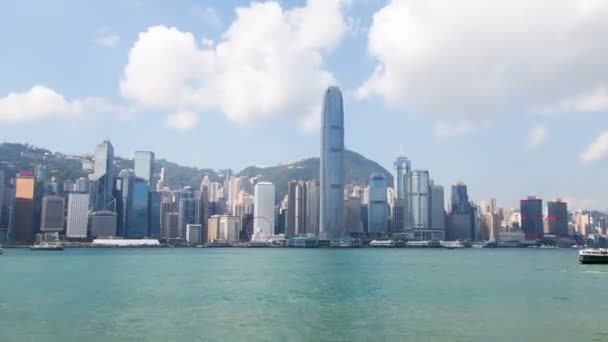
[(532, 217), (331, 224), (78, 215), (378, 208), (263, 211), (53, 213)]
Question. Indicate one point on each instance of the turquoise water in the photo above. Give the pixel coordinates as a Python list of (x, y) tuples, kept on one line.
[(301, 295)]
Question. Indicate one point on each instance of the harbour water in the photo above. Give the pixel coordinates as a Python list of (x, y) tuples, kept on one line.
[(301, 295)]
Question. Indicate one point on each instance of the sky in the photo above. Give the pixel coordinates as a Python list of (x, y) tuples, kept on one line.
[(510, 97)]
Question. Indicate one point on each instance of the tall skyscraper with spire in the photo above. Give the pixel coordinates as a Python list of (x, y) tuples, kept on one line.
[(331, 225), (103, 177)]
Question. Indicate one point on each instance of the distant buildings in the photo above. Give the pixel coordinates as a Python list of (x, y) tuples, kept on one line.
[(331, 224)]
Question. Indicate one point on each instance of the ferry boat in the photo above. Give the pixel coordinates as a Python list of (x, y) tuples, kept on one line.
[(46, 247), (593, 256)]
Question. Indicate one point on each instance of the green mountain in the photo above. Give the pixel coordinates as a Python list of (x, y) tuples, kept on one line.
[(358, 170), (17, 157)]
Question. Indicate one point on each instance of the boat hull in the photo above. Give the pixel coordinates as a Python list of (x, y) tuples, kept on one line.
[(46, 248), (589, 259)]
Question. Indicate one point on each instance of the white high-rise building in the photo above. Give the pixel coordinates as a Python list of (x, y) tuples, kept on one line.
[(263, 211), (78, 215)]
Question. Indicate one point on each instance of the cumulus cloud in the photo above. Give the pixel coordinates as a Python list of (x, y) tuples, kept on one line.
[(268, 63), (182, 120), (597, 150), (537, 136), (471, 59), (41, 102)]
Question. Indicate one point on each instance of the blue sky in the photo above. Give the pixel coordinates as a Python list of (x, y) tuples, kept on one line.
[(510, 98)]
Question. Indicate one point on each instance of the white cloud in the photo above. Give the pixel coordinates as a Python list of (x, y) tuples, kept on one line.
[(446, 130), (597, 150), (182, 120), (595, 101), (106, 38), (268, 63), (471, 59), (538, 135), (41, 102)]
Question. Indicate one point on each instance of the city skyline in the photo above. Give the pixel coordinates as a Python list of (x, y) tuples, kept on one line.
[(505, 141)]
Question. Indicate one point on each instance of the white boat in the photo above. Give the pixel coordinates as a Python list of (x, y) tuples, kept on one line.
[(593, 256), (45, 246)]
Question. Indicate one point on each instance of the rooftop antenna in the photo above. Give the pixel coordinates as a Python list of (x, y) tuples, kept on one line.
[(401, 150)]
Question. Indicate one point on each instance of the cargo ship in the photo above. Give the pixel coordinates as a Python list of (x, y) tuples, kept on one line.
[(593, 256)]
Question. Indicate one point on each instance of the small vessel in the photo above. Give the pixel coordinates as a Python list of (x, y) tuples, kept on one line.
[(45, 246), (593, 256)]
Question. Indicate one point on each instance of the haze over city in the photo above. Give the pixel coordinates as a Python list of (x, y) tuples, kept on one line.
[(515, 109)]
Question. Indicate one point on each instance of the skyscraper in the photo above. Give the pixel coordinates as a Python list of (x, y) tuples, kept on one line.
[(296, 209), (420, 204), (462, 216), (331, 223), (187, 210), (311, 200), (24, 226), (437, 213), (402, 179), (532, 217), (378, 210), (263, 215), (103, 177), (557, 215), (155, 218), (138, 223), (78, 215), (144, 166), (52, 217)]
